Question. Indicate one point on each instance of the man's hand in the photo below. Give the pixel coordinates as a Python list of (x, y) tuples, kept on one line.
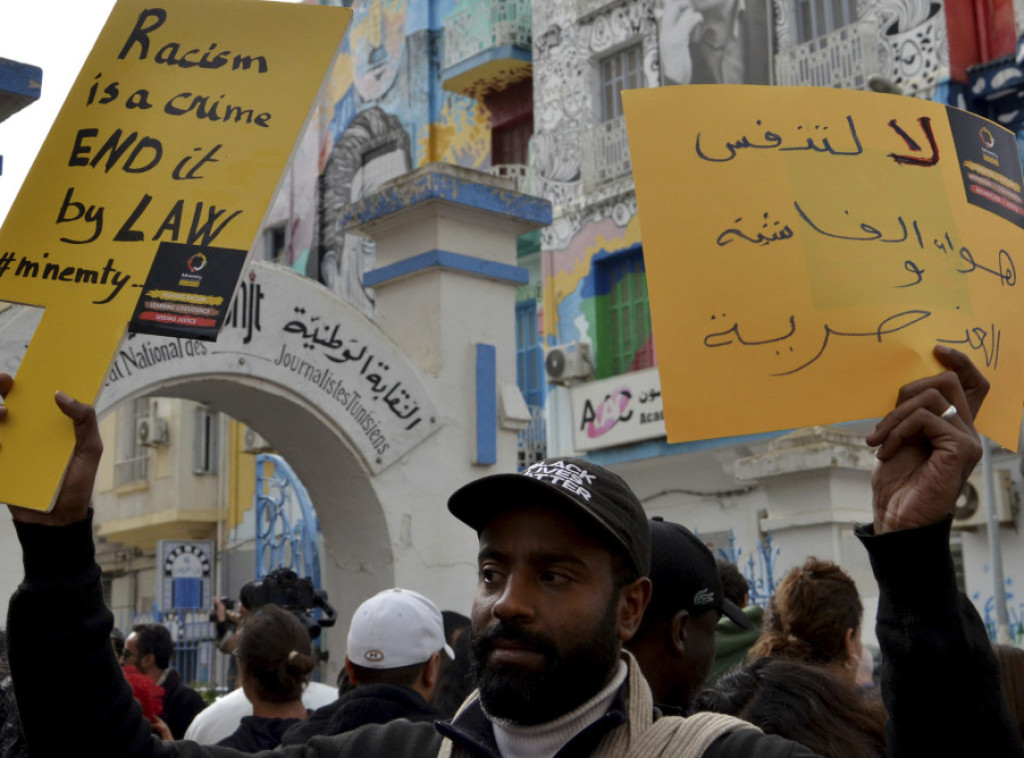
[(926, 454), (76, 490)]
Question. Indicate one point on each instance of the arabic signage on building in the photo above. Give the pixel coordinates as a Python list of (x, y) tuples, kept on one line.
[(807, 248), (617, 411), (283, 328)]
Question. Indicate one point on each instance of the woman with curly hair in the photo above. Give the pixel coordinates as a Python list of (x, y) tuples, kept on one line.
[(815, 616), (275, 660)]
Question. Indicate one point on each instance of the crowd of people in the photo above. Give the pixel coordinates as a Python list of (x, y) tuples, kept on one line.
[(594, 631)]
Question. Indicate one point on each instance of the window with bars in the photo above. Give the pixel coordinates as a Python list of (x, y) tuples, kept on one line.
[(815, 18), (205, 441), (624, 315), (618, 71), (132, 464)]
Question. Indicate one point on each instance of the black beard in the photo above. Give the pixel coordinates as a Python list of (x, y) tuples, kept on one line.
[(564, 683)]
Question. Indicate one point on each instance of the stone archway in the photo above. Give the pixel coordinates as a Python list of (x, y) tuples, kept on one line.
[(317, 379)]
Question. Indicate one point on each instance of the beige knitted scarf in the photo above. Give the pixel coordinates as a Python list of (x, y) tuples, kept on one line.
[(642, 736)]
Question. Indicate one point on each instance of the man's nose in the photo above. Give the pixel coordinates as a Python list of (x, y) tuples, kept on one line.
[(517, 600)]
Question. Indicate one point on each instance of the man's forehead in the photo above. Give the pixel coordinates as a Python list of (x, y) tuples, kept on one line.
[(541, 529)]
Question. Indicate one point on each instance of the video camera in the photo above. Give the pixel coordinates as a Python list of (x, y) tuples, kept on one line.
[(283, 587)]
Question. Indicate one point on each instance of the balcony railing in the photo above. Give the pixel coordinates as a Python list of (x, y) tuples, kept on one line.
[(522, 177), (844, 58), (131, 470), (605, 154), (479, 25), (533, 440)]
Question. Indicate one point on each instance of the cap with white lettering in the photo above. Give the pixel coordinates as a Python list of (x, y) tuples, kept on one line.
[(573, 484)]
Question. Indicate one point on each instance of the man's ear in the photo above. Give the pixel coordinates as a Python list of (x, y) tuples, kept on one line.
[(633, 599), (432, 671), (678, 628), (351, 672)]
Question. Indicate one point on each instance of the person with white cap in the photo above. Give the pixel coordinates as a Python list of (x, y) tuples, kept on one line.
[(395, 644)]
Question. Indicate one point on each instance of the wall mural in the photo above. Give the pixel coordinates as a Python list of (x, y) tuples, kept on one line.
[(384, 114)]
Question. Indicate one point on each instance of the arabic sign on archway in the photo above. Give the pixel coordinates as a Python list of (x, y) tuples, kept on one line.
[(806, 248), (292, 332)]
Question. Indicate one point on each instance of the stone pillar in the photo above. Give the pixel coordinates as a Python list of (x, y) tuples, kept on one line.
[(444, 288)]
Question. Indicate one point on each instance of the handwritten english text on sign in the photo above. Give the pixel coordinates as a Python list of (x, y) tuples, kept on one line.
[(174, 135)]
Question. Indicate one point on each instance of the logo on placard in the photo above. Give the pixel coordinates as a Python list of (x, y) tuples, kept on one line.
[(196, 263), (192, 278), (988, 141)]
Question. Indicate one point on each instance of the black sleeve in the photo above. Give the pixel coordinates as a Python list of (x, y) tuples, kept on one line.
[(940, 678), (751, 744), (71, 693)]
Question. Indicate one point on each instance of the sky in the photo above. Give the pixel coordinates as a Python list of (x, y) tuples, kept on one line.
[(55, 35)]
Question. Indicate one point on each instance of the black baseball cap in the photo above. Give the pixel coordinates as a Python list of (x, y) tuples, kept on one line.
[(575, 485), (684, 575)]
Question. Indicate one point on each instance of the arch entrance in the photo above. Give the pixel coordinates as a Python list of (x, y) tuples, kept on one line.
[(381, 420), (332, 394)]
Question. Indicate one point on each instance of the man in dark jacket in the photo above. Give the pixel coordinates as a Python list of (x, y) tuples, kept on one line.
[(675, 645), (395, 643), (149, 648), (564, 550)]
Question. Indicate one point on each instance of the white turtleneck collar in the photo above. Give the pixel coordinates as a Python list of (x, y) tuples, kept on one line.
[(545, 740)]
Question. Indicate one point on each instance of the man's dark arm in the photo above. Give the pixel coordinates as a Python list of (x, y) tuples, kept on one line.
[(940, 678)]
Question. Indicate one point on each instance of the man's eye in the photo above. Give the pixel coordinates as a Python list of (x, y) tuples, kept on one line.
[(489, 576)]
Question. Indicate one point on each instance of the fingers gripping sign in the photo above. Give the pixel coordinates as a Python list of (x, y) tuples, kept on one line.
[(75, 493), (926, 451)]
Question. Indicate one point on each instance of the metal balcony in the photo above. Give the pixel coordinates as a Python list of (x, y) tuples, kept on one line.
[(479, 25), (605, 154), (844, 58), (488, 44)]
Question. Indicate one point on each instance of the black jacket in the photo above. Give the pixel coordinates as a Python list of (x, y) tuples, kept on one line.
[(181, 704), (256, 733), (366, 704)]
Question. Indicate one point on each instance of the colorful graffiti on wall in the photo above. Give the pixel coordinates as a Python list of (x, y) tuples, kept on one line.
[(385, 113)]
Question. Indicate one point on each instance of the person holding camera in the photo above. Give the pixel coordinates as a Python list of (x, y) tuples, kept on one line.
[(283, 588), (275, 660)]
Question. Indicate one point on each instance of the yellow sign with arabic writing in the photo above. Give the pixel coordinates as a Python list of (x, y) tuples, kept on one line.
[(174, 136), (806, 248)]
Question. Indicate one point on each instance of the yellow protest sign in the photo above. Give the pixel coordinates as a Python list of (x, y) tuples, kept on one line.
[(173, 139), (806, 248)]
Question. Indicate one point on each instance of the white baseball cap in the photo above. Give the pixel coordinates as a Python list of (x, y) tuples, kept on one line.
[(396, 628)]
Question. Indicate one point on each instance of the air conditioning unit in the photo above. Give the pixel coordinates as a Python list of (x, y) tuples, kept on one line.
[(569, 363), (151, 431), (969, 511), (253, 443)]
